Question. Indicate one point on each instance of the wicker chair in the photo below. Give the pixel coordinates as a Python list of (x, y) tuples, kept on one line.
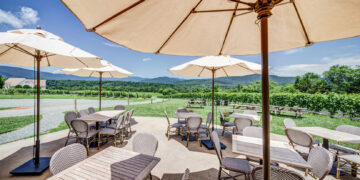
[(68, 118), (83, 131), (229, 163), (253, 131), (241, 124), (225, 124), (289, 123), (67, 157), (186, 174), (112, 133), (170, 128), (348, 129), (192, 127), (83, 112), (275, 173), (145, 143), (131, 113), (91, 110), (206, 126), (119, 107), (182, 110), (321, 162), (250, 112), (127, 124), (301, 141)]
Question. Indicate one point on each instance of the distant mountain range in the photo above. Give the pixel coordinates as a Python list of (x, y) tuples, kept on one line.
[(7, 72)]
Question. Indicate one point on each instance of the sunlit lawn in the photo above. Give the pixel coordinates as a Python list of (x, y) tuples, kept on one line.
[(8, 124), (60, 96)]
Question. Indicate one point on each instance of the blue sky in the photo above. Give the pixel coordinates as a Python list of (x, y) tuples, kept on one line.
[(52, 16)]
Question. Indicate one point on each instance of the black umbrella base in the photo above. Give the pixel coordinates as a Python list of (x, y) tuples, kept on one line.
[(209, 145), (29, 167)]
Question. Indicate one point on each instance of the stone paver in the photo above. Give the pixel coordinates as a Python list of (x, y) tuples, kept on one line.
[(52, 112)]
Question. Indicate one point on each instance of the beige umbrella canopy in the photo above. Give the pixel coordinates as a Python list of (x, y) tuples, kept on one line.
[(35, 47), (108, 71), (221, 27), (216, 66)]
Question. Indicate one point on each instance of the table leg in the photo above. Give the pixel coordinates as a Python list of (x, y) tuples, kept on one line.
[(353, 170), (338, 169), (325, 143), (97, 126)]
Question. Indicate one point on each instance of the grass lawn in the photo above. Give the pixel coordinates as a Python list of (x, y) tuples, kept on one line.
[(8, 124), (5, 108), (56, 96)]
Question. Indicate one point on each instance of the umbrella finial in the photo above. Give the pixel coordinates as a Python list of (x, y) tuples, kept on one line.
[(38, 27)]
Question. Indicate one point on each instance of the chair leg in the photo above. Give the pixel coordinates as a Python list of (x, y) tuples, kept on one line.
[(67, 139), (168, 133), (150, 176), (219, 175), (223, 131), (87, 146), (99, 141), (114, 140), (199, 139), (187, 139)]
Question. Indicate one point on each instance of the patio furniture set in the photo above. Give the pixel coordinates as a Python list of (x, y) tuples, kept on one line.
[(277, 110), (302, 151)]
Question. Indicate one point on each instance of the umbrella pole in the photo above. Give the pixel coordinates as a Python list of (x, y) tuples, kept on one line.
[(37, 151), (264, 11), (100, 90), (212, 96)]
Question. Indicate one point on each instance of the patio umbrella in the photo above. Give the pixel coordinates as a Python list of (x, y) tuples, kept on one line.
[(36, 47), (216, 66), (221, 27), (108, 71)]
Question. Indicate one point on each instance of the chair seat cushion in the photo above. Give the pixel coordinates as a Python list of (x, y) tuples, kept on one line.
[(176, 125), (182, 121), (229, 124), (91, 133), (302, 149), (343, 149), (109, 131), (236, 164), (203, 126)]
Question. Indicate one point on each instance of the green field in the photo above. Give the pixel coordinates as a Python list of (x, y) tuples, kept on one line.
[(277, 127), (8, 124), (47, 96)]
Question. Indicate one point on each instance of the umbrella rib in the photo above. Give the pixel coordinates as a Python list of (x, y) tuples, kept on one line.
[(201, 71), (117, 14), (243, 13), (47, 59), (91, 73), (247, 69), (10, 47), (222, 10), (252, 5), (228, 29), (308, 43), (225, 71), (111, 74), (18, 48), (182, 22), (81, 62)]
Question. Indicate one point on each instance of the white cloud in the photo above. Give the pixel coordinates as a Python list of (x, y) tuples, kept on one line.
[(292, 51), (112, 45), (146, 59), (300, 69), (27, 16)]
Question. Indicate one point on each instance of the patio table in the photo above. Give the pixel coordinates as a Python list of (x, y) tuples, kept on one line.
[(280, 152), (185, 115), (252, 117), (354, 159), (328, 134), (101, 116), (111, 163)]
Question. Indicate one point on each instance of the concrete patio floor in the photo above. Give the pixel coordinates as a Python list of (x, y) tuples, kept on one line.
[(175, 156)]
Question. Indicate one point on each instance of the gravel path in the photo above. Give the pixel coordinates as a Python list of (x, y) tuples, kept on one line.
[(52, 112)]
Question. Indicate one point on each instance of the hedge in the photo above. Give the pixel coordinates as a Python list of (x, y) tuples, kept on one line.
[(333, 103), (13, 91)]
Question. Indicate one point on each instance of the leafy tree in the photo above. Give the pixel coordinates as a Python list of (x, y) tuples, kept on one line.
[(343, 79), (26, 86), (310, 83), (216, 88), (239, 86), (2, 82), (18, 86)]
